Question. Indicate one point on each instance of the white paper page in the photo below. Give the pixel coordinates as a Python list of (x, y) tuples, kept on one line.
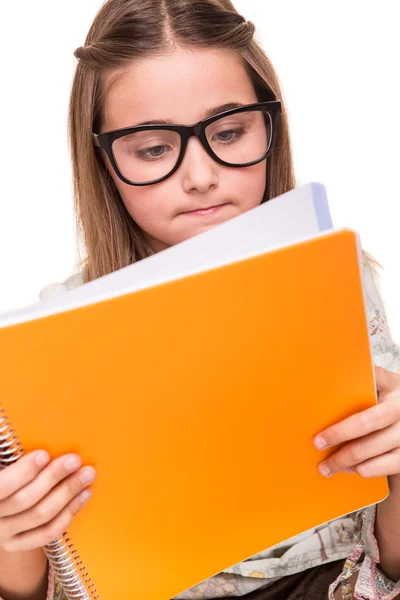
[(294, 216)]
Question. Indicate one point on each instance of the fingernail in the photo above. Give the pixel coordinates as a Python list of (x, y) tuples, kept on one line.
[(324, 470), (42, 459), (84, 496), (72, 463), (320, 442), (88, 475)]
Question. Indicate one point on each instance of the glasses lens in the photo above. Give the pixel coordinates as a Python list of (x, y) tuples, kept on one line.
[(241, 138), (145, 156)]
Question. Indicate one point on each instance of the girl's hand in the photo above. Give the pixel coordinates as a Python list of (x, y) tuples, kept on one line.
[(39, 498), (371, 438)]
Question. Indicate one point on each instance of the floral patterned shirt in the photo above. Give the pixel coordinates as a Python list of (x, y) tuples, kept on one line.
[(350, 537)]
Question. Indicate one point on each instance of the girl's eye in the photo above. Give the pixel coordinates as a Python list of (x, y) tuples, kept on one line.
[(153, 152), (229, 135)]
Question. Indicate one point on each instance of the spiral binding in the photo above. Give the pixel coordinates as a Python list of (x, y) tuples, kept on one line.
[(62, 555), (69, 570), (10, 447)]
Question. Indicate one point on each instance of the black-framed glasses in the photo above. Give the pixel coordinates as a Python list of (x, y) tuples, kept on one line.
[(148, 154)]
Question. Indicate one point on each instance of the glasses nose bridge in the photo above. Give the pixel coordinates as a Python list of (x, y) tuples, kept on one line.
[(194, 131)]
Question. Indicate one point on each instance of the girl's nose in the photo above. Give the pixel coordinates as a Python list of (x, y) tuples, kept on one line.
[(199, 170)]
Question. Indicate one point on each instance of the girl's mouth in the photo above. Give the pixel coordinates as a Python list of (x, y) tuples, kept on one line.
[(205, 211)]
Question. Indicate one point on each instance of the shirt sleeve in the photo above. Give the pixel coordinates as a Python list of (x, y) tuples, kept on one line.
[(55, 591), (361, 577), (386, 353)]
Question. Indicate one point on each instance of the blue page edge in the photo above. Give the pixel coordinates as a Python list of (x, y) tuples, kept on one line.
[(321, 206)]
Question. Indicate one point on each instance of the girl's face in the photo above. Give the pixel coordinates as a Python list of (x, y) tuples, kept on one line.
[(181, 88)]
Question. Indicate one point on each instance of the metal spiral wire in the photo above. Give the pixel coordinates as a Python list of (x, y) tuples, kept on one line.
[(62, 555), (69, 570), (10, 447)]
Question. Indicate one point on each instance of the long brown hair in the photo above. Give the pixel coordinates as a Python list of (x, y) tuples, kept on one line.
[(122, 31)]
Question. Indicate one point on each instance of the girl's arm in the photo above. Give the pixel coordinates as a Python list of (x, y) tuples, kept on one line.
[(387, 531), (23, 575)]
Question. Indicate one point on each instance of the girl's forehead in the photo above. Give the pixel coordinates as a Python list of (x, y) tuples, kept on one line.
[(178, 87)]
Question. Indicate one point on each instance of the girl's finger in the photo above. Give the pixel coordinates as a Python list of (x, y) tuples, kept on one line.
[(362, 450), (361, 424), (22, 472), (384, 465), (36, 538), (38, 488), (52, 505)]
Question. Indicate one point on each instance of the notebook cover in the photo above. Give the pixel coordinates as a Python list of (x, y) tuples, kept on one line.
[(197, 402)]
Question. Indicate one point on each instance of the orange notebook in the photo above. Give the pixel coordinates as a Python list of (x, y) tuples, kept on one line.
[(170, 390)]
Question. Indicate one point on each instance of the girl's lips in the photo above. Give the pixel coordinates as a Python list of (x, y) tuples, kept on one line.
[(205, 211)]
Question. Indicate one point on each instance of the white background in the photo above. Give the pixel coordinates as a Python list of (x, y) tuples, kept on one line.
[(339, 67)]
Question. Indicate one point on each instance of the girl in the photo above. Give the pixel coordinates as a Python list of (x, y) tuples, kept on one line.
[(142, 183)]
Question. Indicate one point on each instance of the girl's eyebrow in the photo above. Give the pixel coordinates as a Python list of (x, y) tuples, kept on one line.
[(210, 112)]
